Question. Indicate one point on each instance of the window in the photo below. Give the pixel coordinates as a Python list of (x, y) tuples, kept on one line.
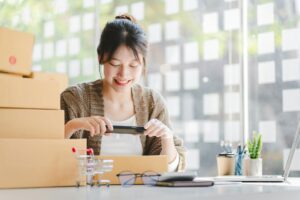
[(195, 61)]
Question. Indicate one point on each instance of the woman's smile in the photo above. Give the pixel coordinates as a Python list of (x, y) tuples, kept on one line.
[(121, 82)]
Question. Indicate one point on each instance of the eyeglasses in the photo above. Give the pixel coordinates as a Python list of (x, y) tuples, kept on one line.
[(128, 178)]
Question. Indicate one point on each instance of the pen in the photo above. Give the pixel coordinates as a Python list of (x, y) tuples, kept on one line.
[(227, 146)]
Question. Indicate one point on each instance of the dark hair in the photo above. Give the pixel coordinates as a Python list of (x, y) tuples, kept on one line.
[(123, 30)]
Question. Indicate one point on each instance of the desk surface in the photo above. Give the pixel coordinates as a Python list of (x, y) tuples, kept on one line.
[(231, 191)]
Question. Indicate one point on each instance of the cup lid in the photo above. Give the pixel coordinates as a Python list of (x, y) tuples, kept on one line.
[(227, 154)]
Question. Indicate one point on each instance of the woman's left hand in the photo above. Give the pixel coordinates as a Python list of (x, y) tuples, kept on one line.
[(155, 128)]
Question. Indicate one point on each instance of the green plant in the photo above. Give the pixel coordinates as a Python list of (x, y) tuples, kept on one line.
[(255, 146)]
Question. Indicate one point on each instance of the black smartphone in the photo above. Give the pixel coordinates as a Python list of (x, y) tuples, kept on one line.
[(127, 130)]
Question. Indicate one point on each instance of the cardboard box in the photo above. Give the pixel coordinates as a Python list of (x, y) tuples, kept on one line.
[(62, 79), (16, 51), (28, 93), (27, 123), (135, 164), (38, 162)]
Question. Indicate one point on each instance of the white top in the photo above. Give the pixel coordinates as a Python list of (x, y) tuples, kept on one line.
[(122, 144), (127, 144)]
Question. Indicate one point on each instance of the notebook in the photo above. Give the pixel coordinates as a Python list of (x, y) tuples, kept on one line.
[(206, 183), (182, 179), (267, 178)]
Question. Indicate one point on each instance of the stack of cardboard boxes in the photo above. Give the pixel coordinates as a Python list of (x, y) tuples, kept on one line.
[(33, 151)]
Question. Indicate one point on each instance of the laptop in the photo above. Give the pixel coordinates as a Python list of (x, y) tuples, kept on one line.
[(266, 178)]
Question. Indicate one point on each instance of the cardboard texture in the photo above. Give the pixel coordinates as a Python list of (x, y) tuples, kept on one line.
[(62, 79), (16, 51), (28, 93), (26, 123), (10, 75), (135, 164), (38, 162)]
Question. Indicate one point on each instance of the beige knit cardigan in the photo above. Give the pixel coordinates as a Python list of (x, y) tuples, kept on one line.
[(86, 99)]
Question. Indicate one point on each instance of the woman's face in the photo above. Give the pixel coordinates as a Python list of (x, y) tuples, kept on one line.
[(123, 70)]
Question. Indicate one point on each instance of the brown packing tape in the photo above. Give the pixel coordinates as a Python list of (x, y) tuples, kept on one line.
[(29, 163), (16, 51), (27, 123), (136, 164), (19, 92)]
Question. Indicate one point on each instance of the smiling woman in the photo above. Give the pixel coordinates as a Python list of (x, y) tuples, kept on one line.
[(123, 69), (91, 109)]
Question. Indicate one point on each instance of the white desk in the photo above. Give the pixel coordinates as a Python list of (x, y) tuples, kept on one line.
[(253, 191)]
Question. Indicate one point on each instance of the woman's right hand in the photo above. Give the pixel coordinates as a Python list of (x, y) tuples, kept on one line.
[(96, 125)]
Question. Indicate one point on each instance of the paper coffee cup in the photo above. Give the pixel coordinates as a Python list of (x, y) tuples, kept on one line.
[(226, 165)]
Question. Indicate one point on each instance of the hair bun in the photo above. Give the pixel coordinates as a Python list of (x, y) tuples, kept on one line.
[(126, 16)]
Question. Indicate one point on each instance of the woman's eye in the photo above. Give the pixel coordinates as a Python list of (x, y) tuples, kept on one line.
[(134, 64), (114, 64)]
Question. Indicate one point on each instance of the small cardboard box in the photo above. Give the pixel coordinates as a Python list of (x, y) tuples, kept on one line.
[(135, 164), (19, 92), (62, 79), (27, 123), (16, 51), (29, 163)]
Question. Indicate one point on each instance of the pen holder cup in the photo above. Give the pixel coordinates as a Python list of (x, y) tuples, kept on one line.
[(90, 169), (226, 165)]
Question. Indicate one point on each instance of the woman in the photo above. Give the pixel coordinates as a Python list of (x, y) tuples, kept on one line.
[(118, 99)]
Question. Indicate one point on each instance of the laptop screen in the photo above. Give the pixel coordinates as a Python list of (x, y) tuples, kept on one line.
[(292, 152)]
